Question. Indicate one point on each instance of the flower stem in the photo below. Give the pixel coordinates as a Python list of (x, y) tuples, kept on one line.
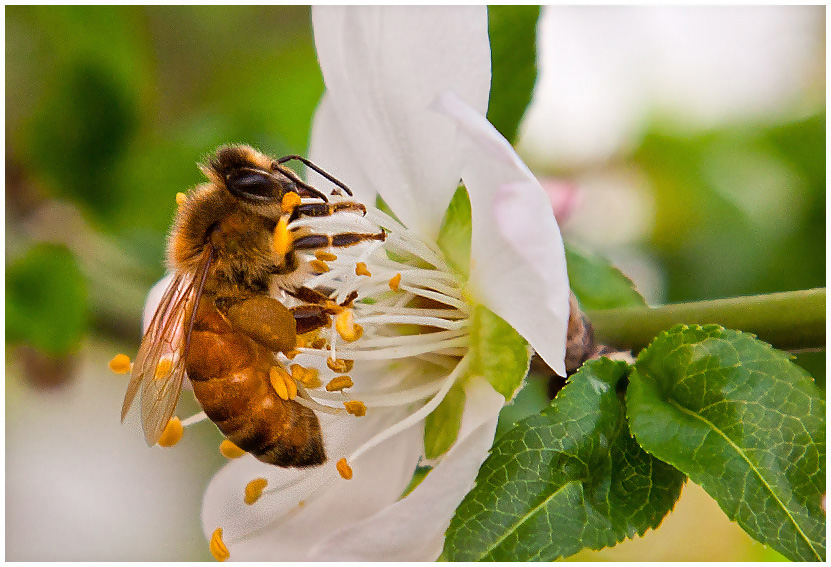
[(793, 320)]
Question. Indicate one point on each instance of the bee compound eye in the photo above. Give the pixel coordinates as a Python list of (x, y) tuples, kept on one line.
[(252, 185)]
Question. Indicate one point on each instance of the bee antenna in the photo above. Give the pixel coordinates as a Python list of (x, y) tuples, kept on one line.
[(305, 186), (316, 168)]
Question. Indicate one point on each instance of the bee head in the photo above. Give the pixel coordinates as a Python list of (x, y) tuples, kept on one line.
[(250, 176)]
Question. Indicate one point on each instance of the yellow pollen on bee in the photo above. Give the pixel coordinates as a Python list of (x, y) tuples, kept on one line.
[(324, 256), (172, 433), (301, 341), (289, 202), (319, 266), (339, 383), (360, 269), (344, 469), (309, 377), (283, 237), (346, 326), (229, 449), (217, 546), (340, 365), (282, 383), (181, 198), (254, 489), (163, 368), (395, 282), (120, 364), (355, 407)]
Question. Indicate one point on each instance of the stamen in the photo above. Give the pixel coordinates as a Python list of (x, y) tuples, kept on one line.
[(346, 326), (309, 377), (282, 383), (172, 433), (340, 365), (319, 266), (163, 368), (120, 364), (229, 450), (355, 407), (180, 199), (289, 202), (217, 546), (254, 489), (395, 281), (195, 418), (339, 383), (325, 256), (344, 469), (283, 238), (361, 270)]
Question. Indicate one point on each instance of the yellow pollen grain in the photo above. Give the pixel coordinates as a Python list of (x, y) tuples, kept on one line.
[(325, 256), (344, 469), (360, 269), (217, 546), (172, 433), (289, 202), (282, 383), (339, 383), (346, 326), (283, 238), (292, 353), (355, 407), (120, 364), (309, 377), (340, 365), (254, 489), (163, 368), (229, 450), (319, 266), (395, 281), (181, 198)]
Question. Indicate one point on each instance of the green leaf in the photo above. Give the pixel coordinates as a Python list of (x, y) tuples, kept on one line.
[(567, 479), (46, 300), (442, 425), (513, 36), (597, 284), (455, 231), (498, 352), (743, 422)]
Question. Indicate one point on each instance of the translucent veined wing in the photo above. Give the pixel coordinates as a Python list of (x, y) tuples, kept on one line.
[(159, 368)]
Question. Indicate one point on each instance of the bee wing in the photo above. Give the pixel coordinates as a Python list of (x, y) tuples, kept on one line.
[(160, 364)]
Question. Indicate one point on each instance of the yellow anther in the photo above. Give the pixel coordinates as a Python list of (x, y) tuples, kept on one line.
[(120, 364), (346, 326), (340, 365), (282, 383), (395, 281), (229, 450), (338, 383), (172, 433), (344, 469), (181, 198), (283, 238), (360, 269), (355, 407), (217, 546), (309, 377), (292, 353), (254, 489), (325, 256), (319, 343), (163, 368), (289, 202), (319, 266)]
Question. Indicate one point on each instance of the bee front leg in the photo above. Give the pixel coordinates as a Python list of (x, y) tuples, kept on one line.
[(312, 241)]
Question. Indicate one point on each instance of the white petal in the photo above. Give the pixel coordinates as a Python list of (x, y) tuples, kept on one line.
[(153, 299), (413, 528), (278, 527), (518, 267), (382, 67)]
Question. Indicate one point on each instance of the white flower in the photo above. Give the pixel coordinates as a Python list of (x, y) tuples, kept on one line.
[(403, 118)]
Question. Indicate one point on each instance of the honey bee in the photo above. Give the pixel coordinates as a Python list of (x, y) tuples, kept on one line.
[(217, 322)]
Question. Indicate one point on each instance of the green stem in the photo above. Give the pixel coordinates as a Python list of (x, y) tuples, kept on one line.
[(793, 320)]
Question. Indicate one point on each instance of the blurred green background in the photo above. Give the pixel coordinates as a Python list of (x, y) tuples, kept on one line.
[(108, 110)]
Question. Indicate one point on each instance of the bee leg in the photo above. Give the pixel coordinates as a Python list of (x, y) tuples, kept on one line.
[(326, 209), (264, 319), (316, 168), (320, 241), (310, 317), (315, 297)]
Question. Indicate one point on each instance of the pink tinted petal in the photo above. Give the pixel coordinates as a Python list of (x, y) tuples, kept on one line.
[(413, 528), (382, 66), (518, 267)]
